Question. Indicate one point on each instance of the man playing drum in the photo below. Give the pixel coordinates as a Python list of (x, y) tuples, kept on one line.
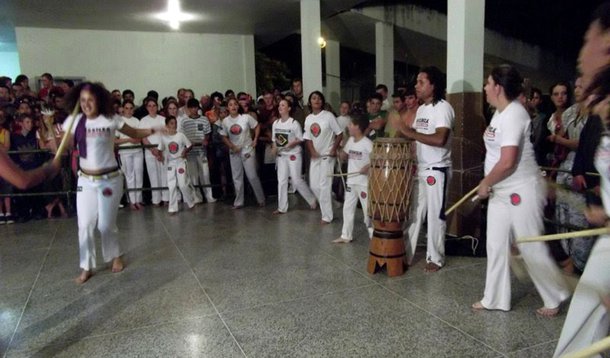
[(432, 132)]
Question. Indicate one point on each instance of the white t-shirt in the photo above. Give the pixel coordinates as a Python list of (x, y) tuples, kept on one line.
[(133, 122), (173, 146), (602, 164), (286, 132), (100, 141), (321, 129), (509, 128), (150, 122), (359, 154), (428, 118), (238, 130)]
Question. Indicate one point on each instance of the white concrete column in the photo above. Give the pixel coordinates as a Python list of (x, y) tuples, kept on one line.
[(311, 54), (333, 74), (384, 55), (249, 64), (465, 45)]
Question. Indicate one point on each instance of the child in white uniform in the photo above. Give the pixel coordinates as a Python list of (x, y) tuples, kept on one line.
[(517, 202), (175, 147), (132, 159), (155, 169), (358, 152), (287, 137), (236, 135), (100, 182), (322, 135)]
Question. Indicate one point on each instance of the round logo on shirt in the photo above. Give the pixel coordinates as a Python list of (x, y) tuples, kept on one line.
[(107, 192), (363, 195), (315, 130), (235, 129), (431, 180), (293, 157), (180, 170), (515, 199), (173, 147)]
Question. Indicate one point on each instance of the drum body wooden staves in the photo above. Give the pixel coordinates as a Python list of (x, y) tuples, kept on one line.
[(390, 185)]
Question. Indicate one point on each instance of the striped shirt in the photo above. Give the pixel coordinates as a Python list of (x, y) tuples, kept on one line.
[(195, 129)]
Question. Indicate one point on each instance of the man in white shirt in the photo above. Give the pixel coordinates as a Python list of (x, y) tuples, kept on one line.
[(432, 132)]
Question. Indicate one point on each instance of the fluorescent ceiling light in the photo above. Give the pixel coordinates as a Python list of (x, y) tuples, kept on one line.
[(174, 16)]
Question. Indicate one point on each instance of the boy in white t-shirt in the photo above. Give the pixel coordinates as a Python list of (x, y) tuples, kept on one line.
[(173, 148), (358, 151)]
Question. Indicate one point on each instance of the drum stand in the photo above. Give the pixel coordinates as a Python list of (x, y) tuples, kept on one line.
[(387, 248)]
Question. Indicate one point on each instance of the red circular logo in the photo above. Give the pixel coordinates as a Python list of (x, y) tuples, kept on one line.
[(180, 170), (173, 147), (315, 130), (293, 157), (363, 194), (235, 129), (431, 180), (107, 192), (515, 199)]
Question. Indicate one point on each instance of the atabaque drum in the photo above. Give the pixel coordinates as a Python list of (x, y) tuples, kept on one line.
[(390, 184)]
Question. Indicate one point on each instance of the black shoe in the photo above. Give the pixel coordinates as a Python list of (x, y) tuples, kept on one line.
[(9, 219)]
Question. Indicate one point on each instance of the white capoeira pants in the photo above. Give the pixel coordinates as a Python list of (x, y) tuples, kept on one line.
[(97, 203), (513, 213), (199, 173), (320, 181), (588, 320), (178, 182), (157, 177), (353, 194), (289, 166), (132, 165), (431, 193), (241, 162)]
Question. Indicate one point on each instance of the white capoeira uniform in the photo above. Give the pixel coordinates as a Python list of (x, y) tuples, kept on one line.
[(237, 129), (98, 196), (359, 154), (434, 173), (588, 320), (289, 162), (178, 179), (515, 210), (132, 163), (321, 129), (195, 129), (155, 168)]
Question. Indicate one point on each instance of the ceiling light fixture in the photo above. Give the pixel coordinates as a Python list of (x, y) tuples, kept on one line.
[(174, 16)]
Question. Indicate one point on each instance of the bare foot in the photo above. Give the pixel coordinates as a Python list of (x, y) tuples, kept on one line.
[(431, 267), (237, 207), (261, 205), (133, 207), (547, 312), (314, 206), (117, 265), (324, 222), (172, 213), (478, 306), (277, 212), (83, 277), (341, 241)]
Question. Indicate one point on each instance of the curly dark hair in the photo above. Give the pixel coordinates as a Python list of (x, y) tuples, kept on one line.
[(319, 94), (437, 79), (103, 100)]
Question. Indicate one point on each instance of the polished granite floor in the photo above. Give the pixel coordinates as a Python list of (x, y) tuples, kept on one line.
[(214, 282)]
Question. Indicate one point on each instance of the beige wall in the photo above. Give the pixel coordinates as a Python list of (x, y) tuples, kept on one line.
[(141, 61)]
